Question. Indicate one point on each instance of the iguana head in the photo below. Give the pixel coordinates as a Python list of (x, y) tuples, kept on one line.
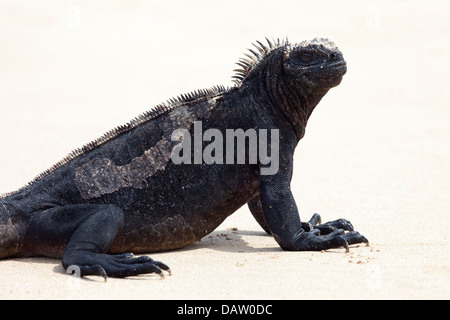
[(310, 65), (292, 77), (315, 65)]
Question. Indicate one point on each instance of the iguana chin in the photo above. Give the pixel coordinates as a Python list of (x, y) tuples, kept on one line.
[(122, 193)]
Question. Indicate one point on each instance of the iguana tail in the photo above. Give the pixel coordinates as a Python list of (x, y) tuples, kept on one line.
[(9, 237)]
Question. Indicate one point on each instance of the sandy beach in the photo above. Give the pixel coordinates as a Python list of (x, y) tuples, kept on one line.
[(376, 149)]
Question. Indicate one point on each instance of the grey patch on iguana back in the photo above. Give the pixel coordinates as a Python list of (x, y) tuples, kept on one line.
[(181, 115), (101, 176), (162, 108)]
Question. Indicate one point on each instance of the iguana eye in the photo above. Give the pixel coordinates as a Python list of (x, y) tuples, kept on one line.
[(306, 57)]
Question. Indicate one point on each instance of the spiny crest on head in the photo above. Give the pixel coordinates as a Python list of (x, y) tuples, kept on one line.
[(254, 57)]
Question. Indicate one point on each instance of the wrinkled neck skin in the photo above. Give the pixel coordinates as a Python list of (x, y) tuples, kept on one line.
[(295, 104)]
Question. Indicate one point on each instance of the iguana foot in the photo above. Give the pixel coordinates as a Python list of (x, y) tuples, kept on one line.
[(351, 237), (118, 266)]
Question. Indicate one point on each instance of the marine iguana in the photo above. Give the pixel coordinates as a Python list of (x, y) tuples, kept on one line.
[(122, 193)]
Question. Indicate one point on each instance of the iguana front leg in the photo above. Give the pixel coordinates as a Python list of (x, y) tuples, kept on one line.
[(86, 232), (281, 217)]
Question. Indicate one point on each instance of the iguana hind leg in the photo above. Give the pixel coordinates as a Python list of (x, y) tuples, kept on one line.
[(85, 233)]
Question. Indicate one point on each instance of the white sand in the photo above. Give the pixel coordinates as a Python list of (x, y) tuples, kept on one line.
[(376, 151)]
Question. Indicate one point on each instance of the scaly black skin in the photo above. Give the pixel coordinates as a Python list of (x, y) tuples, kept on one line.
[(126, 195)]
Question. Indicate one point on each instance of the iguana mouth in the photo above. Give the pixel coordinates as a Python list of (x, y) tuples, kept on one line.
[(336, 65), (335, 69)]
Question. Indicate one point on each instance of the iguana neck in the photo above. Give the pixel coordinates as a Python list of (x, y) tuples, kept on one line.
[(294, 107)]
